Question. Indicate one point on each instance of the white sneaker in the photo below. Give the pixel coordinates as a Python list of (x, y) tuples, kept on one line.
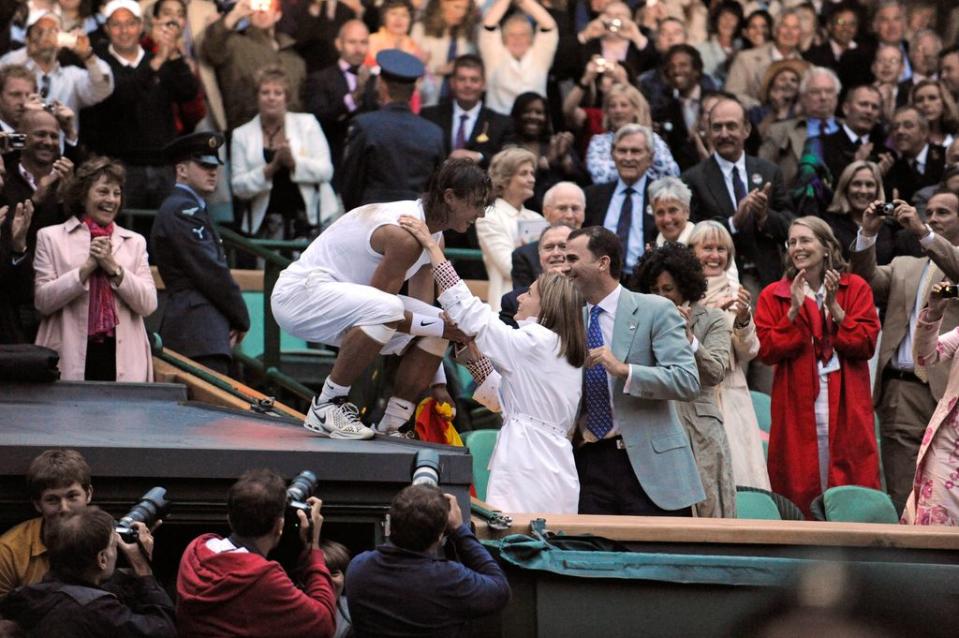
[(338, 418)]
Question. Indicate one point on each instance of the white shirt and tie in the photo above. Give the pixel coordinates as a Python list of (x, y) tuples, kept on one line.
[(466, 120), (726, 167), (855, 137), (636, 244)]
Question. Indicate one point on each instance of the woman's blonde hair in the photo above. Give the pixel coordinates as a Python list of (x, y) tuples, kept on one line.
[(632, 94), (824, 234), (273, 74), (840, 200), (949, 121), (712, 229), (561, 310), (505, 165)]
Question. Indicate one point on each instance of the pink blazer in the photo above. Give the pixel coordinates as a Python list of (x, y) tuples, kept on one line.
[(63, 300)]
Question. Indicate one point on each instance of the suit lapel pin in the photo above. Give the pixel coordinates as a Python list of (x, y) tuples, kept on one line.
[(756, 179)]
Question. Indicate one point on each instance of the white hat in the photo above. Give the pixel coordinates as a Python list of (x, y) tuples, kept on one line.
[(36, 15), (111, 7)]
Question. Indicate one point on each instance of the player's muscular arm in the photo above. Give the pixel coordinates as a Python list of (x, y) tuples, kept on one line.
[(400, 251)]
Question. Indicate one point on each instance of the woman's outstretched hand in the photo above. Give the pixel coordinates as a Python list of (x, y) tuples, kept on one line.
[(417, 228)]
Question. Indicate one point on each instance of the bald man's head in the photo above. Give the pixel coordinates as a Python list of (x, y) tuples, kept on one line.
[(42, 146), (353, 42)]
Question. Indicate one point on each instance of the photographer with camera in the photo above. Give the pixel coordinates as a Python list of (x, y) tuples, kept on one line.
[(905, 397), (227, 586), (72, 601), (403, 589)]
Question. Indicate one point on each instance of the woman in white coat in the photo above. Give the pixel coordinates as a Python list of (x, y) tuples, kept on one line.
[(280, 163), (532, 467), (513, 173)]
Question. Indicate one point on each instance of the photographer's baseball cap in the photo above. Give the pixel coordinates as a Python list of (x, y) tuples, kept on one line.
[(36, 15), (115, 5)]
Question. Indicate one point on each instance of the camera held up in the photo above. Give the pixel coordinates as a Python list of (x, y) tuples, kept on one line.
[(151, 507)]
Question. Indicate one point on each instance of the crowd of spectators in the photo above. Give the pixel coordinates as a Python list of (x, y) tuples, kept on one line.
[(785, 174)]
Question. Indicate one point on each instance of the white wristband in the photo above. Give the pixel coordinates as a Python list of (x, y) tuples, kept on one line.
[(426, 326)]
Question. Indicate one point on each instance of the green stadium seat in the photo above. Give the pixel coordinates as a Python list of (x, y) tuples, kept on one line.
[(252, 344), (762, 404), (855, 504), (756, 505), (480, 444)]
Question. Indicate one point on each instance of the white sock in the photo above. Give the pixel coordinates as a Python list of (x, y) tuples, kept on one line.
[(332, 390), (398, 412)]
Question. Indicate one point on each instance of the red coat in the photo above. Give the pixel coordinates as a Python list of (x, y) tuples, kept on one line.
[(793, 451)]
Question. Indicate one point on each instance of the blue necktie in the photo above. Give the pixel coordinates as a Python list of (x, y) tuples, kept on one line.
[(739, 188), (599, 413), (625, 219)]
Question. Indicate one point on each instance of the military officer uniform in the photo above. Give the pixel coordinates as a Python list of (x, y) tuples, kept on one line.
[(390, 153), (204, 303)]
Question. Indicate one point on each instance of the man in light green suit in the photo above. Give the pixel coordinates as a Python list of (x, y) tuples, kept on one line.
[(634, 457)]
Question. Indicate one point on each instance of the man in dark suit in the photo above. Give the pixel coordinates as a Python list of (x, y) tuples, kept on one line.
[(744, 193), (918, 163), (470, 130), (342, 90), (390, 153), (623, 206), (16, 269), (563, 203), (551, 257), (841, 27), (860, 137), (678, 107), (204, 315)]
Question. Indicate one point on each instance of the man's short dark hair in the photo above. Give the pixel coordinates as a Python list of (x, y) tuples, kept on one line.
[(74, 540), (602, 243), (469, 61), (689, 50), (467, 180), (255, 501), (55, 469), (398, 90), (16, 71), (947, 51), (418, 515), (860, 87)]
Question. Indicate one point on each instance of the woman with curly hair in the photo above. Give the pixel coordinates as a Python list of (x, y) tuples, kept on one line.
[(93, 285), (673, 271), (818, 325)]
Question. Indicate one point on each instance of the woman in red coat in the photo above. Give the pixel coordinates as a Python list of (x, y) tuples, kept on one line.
[(818, 325)]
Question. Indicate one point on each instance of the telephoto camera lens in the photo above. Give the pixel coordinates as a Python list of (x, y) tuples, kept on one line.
[(426, 468), (152, 506), (301, 488)]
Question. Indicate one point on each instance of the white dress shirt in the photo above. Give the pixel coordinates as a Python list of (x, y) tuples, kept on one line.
[(853, 136), (727, 169)]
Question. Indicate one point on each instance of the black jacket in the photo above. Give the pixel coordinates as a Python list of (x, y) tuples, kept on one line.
[(526, 267), (598, 197), (16, 287), (906, 180), (203, 301), (488, 136), (324, 93), (55, 608), (839, 151), (761, 247), (136, 121)]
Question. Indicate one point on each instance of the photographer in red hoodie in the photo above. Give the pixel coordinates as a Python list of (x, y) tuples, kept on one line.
[(226, 586)]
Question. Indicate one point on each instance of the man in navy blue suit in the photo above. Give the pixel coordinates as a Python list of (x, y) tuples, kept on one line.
[(204, 315), (391, 153)]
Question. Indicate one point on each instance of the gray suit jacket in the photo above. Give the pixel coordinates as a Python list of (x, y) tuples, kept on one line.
[(783, 146), (894, 286), (653, 342)]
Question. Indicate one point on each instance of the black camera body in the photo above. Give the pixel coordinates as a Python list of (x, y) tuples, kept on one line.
[(152, 506), (948, 291)]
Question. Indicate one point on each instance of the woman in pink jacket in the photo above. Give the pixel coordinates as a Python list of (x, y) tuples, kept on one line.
[(93, 285)]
